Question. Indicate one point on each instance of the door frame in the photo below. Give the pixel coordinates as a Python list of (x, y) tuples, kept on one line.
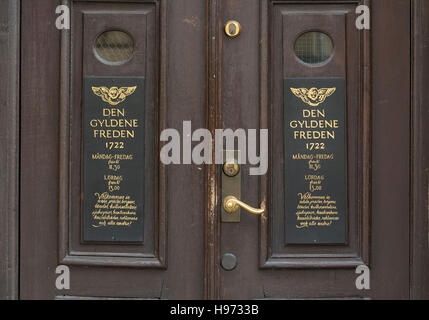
[(9, 140), (419, 206), (10, 172)]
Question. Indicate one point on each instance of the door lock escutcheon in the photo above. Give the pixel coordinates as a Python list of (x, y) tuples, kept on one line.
[(231, 189), (231, 168), (233, 28)]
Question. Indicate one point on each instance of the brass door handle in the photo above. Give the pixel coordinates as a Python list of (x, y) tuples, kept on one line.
[(231, 204)]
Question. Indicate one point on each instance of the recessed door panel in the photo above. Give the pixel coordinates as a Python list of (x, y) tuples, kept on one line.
[(114, 214), (317, 114)]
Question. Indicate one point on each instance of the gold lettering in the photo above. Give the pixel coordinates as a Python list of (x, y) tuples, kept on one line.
[(313, 113), (314, 135), (113, 112), (109, 134), (314, 124)]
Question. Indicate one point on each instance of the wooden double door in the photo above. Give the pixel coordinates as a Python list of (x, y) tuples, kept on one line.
[(341, 136)]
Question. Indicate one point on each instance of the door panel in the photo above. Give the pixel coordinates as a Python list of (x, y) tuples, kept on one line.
[(159, 267), (91, 20), (289, 21)]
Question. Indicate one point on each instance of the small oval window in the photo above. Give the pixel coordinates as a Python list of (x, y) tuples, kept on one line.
[(314, 47), (114, 47)]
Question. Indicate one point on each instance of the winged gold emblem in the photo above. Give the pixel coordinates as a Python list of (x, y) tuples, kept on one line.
[(114, 95), (313, 96)]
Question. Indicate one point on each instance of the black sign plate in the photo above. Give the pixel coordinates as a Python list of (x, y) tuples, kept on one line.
[(315, 161), (113, 159)]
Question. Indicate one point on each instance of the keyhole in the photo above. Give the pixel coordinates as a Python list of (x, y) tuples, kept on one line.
[(232, 29)]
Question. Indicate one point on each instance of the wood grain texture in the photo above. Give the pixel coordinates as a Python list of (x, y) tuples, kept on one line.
[(420, 153), (391, 111), (213, 121), (9, 142), (40, 59)]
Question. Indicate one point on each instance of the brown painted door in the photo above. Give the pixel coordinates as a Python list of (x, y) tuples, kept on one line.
[(255, 93), (191, 70), (258, 69), (169, 54)]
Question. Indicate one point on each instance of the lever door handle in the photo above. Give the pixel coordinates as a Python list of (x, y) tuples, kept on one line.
[(231, 204)]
